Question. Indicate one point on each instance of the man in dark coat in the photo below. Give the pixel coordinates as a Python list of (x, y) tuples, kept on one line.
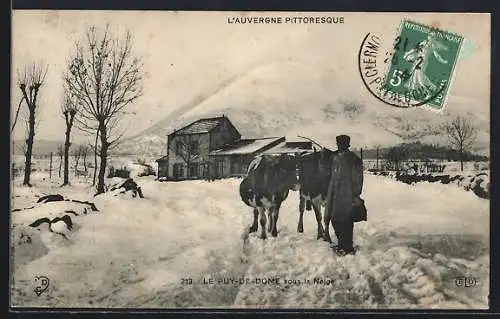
[(346, 184)]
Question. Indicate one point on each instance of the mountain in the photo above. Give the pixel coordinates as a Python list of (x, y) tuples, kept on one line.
[(40, 147), (290, 99), (422, 151)]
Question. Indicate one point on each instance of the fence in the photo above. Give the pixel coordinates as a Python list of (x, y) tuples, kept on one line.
[(424, 166)]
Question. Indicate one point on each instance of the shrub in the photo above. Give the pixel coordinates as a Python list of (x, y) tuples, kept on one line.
[(148, 171), (111, 172), (140, 160), (120, 172)]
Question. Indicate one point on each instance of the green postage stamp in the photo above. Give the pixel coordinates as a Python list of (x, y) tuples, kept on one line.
[(422, 64)]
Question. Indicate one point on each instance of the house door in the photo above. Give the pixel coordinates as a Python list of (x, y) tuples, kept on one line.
[(205, 171), (219, 168), (178, 171)]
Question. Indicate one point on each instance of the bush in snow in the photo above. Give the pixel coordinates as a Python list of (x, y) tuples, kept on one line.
[(139, 170), (120, 172), (140, 161), (127, 186), (53, 214), (480, 185), (59, 225)]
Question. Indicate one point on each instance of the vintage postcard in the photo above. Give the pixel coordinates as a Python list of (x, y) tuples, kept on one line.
[(319, 160)]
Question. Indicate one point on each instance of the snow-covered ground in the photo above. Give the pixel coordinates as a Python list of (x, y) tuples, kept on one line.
[(145, 252)]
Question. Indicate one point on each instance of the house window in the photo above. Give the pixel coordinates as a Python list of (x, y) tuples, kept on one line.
[(178, 171), (193, 170), (195, 148), (178, 148)]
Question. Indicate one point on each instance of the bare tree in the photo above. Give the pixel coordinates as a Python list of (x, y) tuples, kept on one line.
[(30, 79), (69, 110), (461, 136), (60, 153), (188, 149), (95, 148), (77, 154), (84, 151), (21, 147), (377, 147), (106, 77), (396, 155), (17, 114)]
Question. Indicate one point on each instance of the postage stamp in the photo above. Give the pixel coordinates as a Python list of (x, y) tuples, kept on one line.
[(423, 62), (419, 65)]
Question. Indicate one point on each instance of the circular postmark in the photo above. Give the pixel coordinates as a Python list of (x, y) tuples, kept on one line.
[(397, 72)]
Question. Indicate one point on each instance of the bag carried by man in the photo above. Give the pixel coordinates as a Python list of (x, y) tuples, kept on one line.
[(358, 211)]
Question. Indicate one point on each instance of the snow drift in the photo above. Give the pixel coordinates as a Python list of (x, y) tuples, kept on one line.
[(478, 183)]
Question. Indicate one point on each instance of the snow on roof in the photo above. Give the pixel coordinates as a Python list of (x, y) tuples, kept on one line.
[(163, 158), (200, 126), (246, 146), (290, 147)]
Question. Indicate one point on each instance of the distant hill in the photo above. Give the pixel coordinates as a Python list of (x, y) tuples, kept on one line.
[(288, 99), (40, 147), (418, 150)]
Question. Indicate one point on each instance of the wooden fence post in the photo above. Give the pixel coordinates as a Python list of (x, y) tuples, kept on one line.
[(50, 166), (377, 157)]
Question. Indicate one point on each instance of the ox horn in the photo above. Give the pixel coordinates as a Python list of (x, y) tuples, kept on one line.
[(310, 139)]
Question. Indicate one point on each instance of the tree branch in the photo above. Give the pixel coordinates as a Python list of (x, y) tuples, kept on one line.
[(104, 77), (17, 114)]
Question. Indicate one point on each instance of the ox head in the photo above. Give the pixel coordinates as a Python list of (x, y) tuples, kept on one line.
[(317, 163), (325, 160)]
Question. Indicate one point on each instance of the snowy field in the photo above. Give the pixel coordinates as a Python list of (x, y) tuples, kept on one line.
[(182, 246)]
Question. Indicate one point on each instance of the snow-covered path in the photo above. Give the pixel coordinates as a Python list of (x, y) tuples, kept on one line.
[(137, 252)]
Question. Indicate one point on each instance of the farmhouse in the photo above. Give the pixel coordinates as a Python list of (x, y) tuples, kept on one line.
[(233, 159), (210, 148)]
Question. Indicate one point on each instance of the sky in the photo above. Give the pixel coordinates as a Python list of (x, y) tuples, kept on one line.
[(187, 54)]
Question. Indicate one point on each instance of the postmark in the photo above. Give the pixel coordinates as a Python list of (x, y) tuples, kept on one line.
[(414, 69)]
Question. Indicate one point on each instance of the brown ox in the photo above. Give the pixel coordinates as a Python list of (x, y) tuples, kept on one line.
[(267, 184), (314, 177)]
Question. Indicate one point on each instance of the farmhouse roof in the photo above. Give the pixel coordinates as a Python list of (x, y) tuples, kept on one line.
[(247, 146), (290, 147), (161, 159), (201, 126)]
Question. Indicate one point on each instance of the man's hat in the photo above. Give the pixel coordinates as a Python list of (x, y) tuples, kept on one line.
[(343, 140)]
